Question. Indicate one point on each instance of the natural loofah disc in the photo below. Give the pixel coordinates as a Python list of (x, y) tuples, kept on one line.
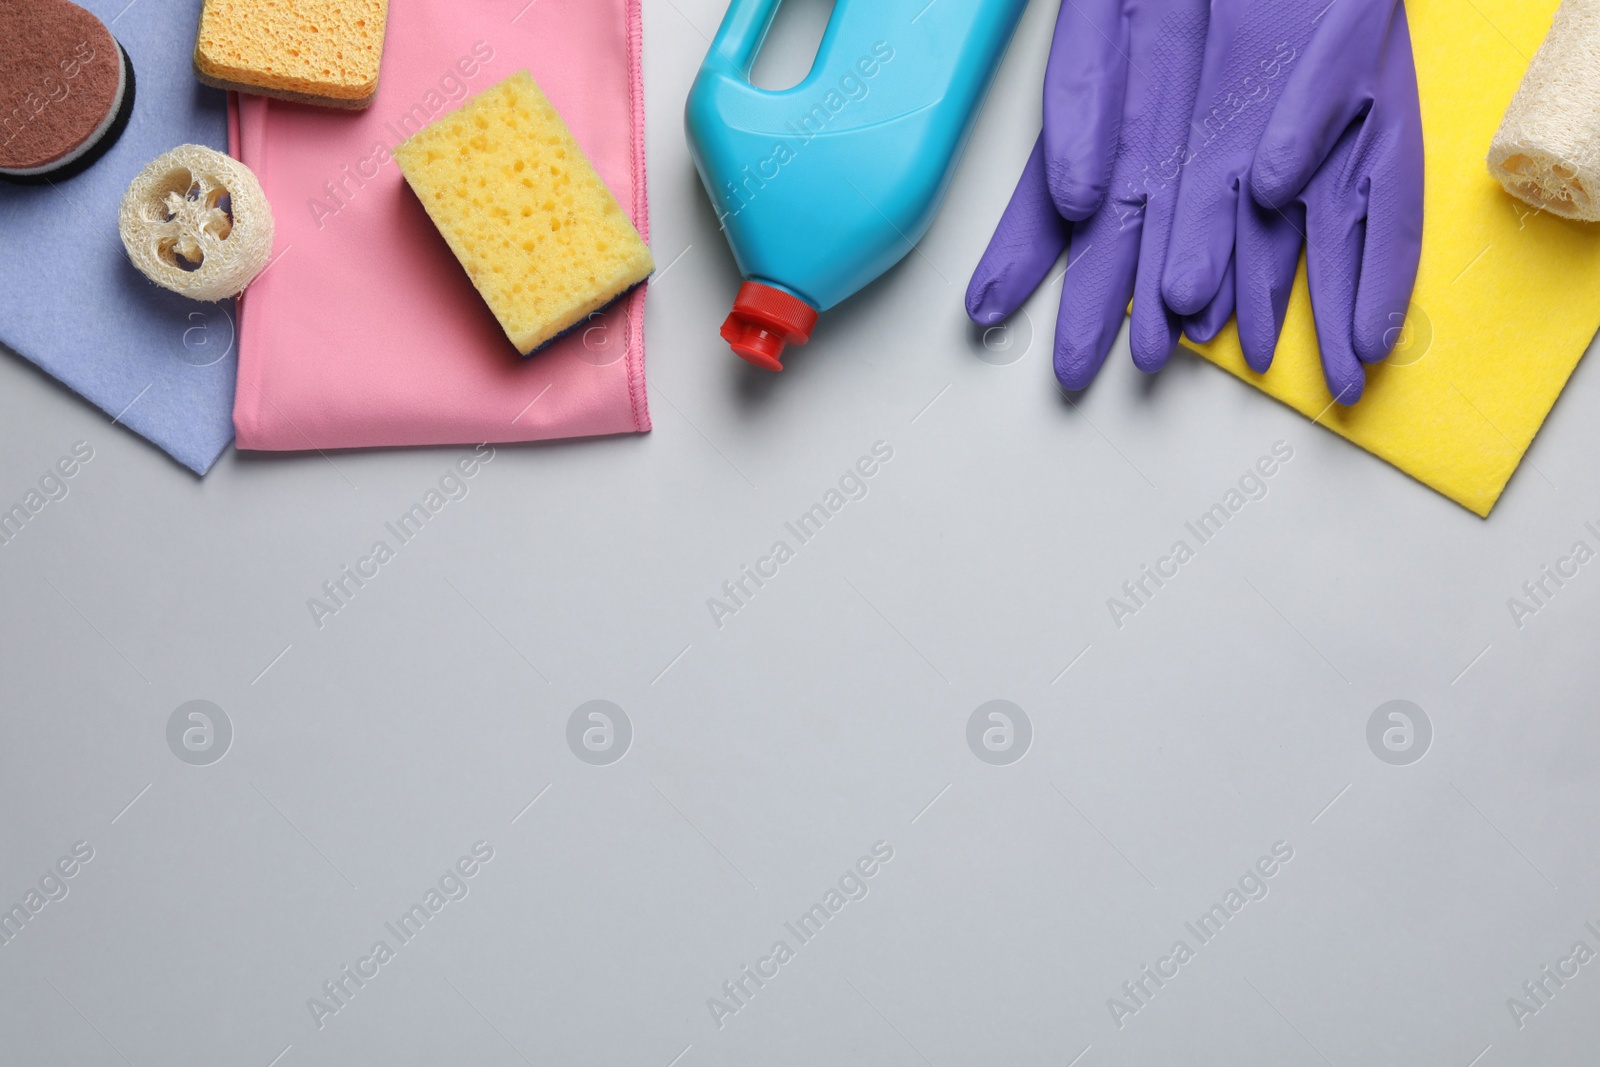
[(196, 221), (1547, 151)]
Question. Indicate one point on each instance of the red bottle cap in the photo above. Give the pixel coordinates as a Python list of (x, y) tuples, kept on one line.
[(765, 319)]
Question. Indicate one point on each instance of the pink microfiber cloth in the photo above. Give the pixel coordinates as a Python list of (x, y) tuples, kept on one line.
[(364, 330)]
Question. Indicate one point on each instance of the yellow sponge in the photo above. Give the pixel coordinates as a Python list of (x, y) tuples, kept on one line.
[(311, 51), (522, 208)]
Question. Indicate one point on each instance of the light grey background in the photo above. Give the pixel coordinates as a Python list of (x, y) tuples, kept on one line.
[(829, 714)]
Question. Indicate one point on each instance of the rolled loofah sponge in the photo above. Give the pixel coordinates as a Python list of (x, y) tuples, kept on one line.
[(1547, 151), (181, 235), (311, 51), (522, 208)]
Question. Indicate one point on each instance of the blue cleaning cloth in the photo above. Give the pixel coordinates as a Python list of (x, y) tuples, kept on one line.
[(70, 300)]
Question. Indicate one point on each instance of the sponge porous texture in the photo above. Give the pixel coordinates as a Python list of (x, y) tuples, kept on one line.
[(521, 206), (312, 51)]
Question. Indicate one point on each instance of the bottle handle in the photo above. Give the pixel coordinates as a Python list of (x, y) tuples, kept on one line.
[(743, 30)]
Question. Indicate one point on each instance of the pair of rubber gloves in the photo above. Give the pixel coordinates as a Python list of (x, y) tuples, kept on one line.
[(1191, 148)]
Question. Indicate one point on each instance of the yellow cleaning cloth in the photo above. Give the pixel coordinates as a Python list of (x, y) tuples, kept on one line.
[(1507, 300)]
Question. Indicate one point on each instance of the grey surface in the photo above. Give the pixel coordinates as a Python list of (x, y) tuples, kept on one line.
[(831, 713)]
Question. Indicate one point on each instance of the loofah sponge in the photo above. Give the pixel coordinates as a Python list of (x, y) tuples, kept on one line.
[(181, 235), (311, 51), (522, 208), (1546, 151)]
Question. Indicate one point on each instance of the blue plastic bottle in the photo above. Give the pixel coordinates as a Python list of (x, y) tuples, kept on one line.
[(823, 187)]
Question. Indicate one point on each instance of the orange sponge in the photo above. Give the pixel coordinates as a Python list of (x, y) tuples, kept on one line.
[(310, 51)]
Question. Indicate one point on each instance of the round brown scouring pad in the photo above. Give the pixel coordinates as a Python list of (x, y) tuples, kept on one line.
[(66, 89)]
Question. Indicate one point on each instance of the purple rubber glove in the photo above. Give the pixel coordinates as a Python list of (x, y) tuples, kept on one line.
[(1119, 90), (1308, 132)]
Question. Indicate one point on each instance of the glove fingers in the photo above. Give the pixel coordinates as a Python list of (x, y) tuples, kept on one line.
[(1095, 292), (1231, 104), (1331, 80), (1270, 241), (1026, 244), (1153, 330), (1204, 327), (1202, 244), (1335, 235), (1389, 264), (1084, 87), (1207, 189), (1395, 208)]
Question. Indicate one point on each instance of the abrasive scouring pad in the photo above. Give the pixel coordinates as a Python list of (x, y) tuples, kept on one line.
[(66, 89)]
